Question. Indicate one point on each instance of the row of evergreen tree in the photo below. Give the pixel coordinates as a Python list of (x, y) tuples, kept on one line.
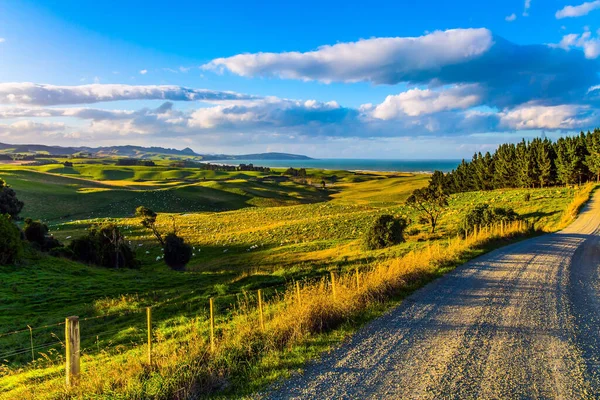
[(528, 164)]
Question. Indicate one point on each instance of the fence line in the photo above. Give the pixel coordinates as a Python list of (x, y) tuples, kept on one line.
[(349, 280)]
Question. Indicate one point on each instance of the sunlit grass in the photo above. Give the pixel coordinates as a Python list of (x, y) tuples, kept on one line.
[(236, 252)]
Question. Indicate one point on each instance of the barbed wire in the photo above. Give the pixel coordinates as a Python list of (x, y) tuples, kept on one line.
[(31, 329), (30, 349)]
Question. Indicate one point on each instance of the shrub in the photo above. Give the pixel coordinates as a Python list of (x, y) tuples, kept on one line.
[(177, 252), (386, 231), (9, 204), (11, 247), (35, 231), (84, 249), (104, 246), (483, 214), (527, 196), (50, 242)]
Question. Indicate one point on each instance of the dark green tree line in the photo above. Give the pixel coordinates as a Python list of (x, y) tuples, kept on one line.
[(571, 160)]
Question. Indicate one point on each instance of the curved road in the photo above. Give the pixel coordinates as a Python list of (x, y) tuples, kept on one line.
[(520, 322)]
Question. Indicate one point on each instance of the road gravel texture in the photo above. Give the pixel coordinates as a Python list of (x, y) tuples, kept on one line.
[(521, 322)]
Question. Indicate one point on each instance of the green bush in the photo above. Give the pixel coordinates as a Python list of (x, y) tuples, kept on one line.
[(11, 246), (35, 231), (9, 204), (177, 252), (104, 246), (386, 231), (527, 196), (483, 214)]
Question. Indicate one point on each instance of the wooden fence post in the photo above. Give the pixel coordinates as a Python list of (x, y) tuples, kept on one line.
[(149, 321), (212, 325), (31, 342), (72, 350), (298, 298), (333, 284), (260, 310)]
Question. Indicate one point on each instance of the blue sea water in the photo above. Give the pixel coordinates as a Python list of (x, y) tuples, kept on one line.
[(354, 164)]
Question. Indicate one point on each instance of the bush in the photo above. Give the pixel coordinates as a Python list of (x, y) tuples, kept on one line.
[(9, 204), (35, 231), (104, 246), (84, 250), (483, 214), (386, 231), (177, 252), (50, 243), (527, 196), (11, 246)]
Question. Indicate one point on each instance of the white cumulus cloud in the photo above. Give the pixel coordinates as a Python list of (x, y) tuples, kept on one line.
[(511, 17), (531, 116), (417, 102), (578, 11), (143, 71), (379, 60), (589, 44)]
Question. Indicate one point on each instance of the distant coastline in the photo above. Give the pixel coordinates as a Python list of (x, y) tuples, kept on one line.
[(347, 164)]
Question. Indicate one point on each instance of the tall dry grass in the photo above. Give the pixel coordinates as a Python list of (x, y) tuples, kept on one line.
[(581, 197)]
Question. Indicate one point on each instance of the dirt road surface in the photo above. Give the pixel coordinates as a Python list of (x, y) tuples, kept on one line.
[(521, 322)]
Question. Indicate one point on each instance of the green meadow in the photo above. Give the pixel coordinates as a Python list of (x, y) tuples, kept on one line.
[(249, 232)]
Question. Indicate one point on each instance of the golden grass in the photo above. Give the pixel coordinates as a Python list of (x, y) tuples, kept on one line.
[(581, 197)]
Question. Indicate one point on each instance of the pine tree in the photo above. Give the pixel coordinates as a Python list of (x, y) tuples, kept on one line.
[(544, 155), (525, 165), (504, 166), (592, 161)]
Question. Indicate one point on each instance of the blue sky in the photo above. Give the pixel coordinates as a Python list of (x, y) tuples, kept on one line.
[(398, 80)]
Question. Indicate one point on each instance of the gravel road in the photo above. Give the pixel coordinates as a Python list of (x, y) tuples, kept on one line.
[(520, 322)]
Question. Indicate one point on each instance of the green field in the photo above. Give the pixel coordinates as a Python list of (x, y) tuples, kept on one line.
[(247, 232)]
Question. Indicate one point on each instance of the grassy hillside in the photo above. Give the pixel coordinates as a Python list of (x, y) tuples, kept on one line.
[(273, 234), (52, 193)]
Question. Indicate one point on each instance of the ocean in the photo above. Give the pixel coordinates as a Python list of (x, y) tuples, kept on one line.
[(354, 164)]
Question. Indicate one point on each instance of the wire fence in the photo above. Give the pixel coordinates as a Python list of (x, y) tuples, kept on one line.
[(24, 346), (95, 334)]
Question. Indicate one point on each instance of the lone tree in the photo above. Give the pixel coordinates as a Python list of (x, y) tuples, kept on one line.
[(9, 204), (430, 202), (149, 221), (176, 251)]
